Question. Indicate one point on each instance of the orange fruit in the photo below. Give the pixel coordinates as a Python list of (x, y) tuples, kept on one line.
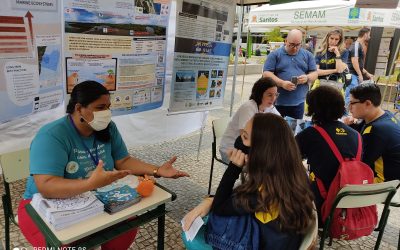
[(145, 188)]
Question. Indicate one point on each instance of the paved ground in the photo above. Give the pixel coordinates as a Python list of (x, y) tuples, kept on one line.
[(191, 190)]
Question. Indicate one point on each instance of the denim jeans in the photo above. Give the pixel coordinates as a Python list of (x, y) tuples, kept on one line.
[(232, 232), (353, 84)]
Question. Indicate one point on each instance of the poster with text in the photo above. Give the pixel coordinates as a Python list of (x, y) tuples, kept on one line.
[(120, 44), (201, 58), (30, 57)]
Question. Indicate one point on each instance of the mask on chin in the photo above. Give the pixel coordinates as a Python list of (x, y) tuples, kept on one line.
[(239, 145), (101, 119)]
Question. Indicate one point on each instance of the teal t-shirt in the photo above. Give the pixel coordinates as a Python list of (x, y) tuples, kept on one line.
[(58, 150)]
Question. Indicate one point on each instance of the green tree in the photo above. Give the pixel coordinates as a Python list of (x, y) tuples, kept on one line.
[(273, 36)]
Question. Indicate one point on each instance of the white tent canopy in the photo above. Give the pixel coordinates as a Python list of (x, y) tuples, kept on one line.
[(321, 13)]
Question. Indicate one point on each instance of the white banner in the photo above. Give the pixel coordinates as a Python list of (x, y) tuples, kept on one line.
[(322, 13)]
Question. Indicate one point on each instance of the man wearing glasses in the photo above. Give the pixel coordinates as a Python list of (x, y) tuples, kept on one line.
[(292, 68), (380, 132)]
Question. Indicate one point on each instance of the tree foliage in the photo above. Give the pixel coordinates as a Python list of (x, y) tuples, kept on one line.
[(273, 36)]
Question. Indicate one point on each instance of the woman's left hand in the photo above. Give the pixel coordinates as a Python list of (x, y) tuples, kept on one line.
[(168, 171)]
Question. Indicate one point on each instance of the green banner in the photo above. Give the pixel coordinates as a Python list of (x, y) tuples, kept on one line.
[(272, 2)]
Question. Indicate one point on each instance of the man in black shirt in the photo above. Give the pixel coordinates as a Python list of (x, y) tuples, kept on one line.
[(380, 132), (356, 62)]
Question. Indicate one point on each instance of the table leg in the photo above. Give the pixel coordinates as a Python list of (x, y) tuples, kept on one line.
[(161, 230)]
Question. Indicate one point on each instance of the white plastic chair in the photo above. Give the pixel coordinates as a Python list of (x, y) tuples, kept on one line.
[(218, 128), (310, 238), (15, 167), (396, 203)]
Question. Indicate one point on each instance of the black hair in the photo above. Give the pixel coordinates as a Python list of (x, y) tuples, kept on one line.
[(363, 31), (85, 93), (325, 104), (367, 91), (259, 87)]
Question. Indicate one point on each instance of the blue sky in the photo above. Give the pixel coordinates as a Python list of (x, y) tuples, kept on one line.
[(84, 16)]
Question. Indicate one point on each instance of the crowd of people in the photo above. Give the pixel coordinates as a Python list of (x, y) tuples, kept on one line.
[(346, 118), (83, 150)]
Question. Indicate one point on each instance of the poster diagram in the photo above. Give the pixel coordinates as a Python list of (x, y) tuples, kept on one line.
[(30, 58), (99, 70), (202, 48), (120, 44)]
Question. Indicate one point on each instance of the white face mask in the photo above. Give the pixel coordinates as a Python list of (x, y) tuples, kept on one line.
[(101, 119)]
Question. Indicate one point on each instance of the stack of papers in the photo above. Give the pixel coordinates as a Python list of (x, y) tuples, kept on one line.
[(61, 213)]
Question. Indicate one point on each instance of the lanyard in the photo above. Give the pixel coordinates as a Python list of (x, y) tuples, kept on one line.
[(94, 159)]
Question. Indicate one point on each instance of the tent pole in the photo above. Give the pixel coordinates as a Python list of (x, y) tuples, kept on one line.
[(245, 60), (239, 38), (203, 124)]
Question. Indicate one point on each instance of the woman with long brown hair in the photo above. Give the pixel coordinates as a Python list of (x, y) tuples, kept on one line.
[(276, 189)]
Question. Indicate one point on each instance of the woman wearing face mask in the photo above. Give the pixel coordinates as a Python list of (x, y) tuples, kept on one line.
[(275, 192), (331, 58), (80, 152), (263, 96)]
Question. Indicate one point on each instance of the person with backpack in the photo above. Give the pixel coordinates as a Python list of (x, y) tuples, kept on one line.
[(292, 68), (273, 207), (326, 106), (380, 132), (333, 152)]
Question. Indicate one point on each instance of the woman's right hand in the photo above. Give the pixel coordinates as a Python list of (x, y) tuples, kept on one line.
[(101, 177), (201, 210), (334, 49), (237, 157)]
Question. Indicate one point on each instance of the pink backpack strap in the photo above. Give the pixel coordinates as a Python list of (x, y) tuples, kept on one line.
[(331, 144)]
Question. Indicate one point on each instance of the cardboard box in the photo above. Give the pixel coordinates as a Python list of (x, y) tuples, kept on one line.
[(380, 65), (388, 32), (380, 72), (385, 43), (382, 59), (383, 52)]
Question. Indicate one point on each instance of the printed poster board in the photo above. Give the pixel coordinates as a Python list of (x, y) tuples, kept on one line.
[(202, 48), (30, 58)]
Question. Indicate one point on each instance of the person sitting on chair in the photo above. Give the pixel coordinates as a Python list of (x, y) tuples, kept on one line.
[(380, 132), (326, 106), (275, 192), (80, 152), (262, 99)]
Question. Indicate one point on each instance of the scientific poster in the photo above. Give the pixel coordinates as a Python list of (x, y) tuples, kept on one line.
[(120, 44), (30, 57), (202, 47)]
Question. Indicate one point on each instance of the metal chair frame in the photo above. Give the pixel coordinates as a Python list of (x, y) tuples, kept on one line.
[(391, 191), (214, 154), (15, 167)]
